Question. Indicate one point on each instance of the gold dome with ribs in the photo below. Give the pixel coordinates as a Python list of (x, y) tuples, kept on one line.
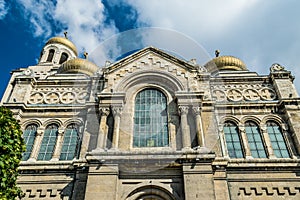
[(78, 65), (225, 63), (63, 41)]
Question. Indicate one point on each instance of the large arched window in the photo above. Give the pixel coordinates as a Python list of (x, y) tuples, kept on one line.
[(29, 137), (50, 55), (233, 140), (63, 58), (277, 140), (48, 142), (150, 119), (256, 145), (71, 144)]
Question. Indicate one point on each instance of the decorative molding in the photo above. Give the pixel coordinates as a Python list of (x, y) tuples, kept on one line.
[(268, 191), (58, 96), (41, 193), (236, 93)]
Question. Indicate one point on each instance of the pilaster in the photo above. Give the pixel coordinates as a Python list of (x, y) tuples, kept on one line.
[(185, 131)]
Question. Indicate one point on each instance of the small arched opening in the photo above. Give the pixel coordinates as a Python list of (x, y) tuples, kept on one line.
[(150, 192)]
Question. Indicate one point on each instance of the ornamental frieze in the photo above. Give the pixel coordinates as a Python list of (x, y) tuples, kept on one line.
[(243, 93), (58, 96)]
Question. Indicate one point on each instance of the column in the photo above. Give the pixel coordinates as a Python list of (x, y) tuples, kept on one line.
[(245, 142), (117, 110), (199, 128), (268, 142), (222, 140), (102, 135), (288, 138), (185, 131), (36, 145), (57, 149)]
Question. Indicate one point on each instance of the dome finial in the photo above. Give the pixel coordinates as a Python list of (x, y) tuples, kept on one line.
[(217, 53), (86, 54), (65, 33)]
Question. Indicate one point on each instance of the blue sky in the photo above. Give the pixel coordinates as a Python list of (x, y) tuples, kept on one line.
[(259, 32)]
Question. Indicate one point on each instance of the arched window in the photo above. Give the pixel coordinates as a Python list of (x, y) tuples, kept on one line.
[(277, 140), (71, 144), (233, 140), (48, 142), (150, 119), (50, 55), (63, 58), (29, 137), (257, 148)]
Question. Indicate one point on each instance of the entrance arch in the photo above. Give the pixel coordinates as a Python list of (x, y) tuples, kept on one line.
[(150, 192)]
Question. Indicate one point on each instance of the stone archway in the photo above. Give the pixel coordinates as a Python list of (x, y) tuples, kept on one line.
[(150, 192)]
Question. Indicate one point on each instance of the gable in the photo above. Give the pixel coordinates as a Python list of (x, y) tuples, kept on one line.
[(155, 57), (155, 62)]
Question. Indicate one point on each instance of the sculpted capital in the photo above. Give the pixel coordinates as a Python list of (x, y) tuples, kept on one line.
[(104, 111), (117, 110), (183, 110)]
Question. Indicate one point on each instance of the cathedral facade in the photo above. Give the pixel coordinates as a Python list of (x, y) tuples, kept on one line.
[(154, 126)]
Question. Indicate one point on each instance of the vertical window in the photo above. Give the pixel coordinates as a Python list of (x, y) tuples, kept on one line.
[(63, 58), (233, 141), (150, 119), (257, 148), (48, 142), (277, 140), (71, 144), (50, 55), (29, 137)]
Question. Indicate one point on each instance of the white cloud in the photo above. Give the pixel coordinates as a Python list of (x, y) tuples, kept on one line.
[(259, 32), (38, 13), (83, 20), (193, 16), (3, 9)]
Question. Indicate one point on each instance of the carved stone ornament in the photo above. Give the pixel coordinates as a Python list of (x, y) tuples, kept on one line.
[(58, 97), (117, 110), (104, 111), (196, 110), (277, 67), (201, 69), (251, 95), (219, 95), (234, 95), (183, 110), (27, 72)]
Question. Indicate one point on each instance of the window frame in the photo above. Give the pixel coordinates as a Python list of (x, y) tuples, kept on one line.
[(26, 155), (50, 55), (277, 152), (165, 135), (259, 146), (61, 59), (72, 126), (240, 142), (42, 154)]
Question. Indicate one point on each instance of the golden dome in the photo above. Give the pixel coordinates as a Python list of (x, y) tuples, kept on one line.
[(229, 63), (63, 41), (78, 65)]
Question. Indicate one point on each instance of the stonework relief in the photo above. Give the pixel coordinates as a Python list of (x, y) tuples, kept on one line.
[(269, 191), (152, 61), (58, 96), (243, 93), (277, 68)]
